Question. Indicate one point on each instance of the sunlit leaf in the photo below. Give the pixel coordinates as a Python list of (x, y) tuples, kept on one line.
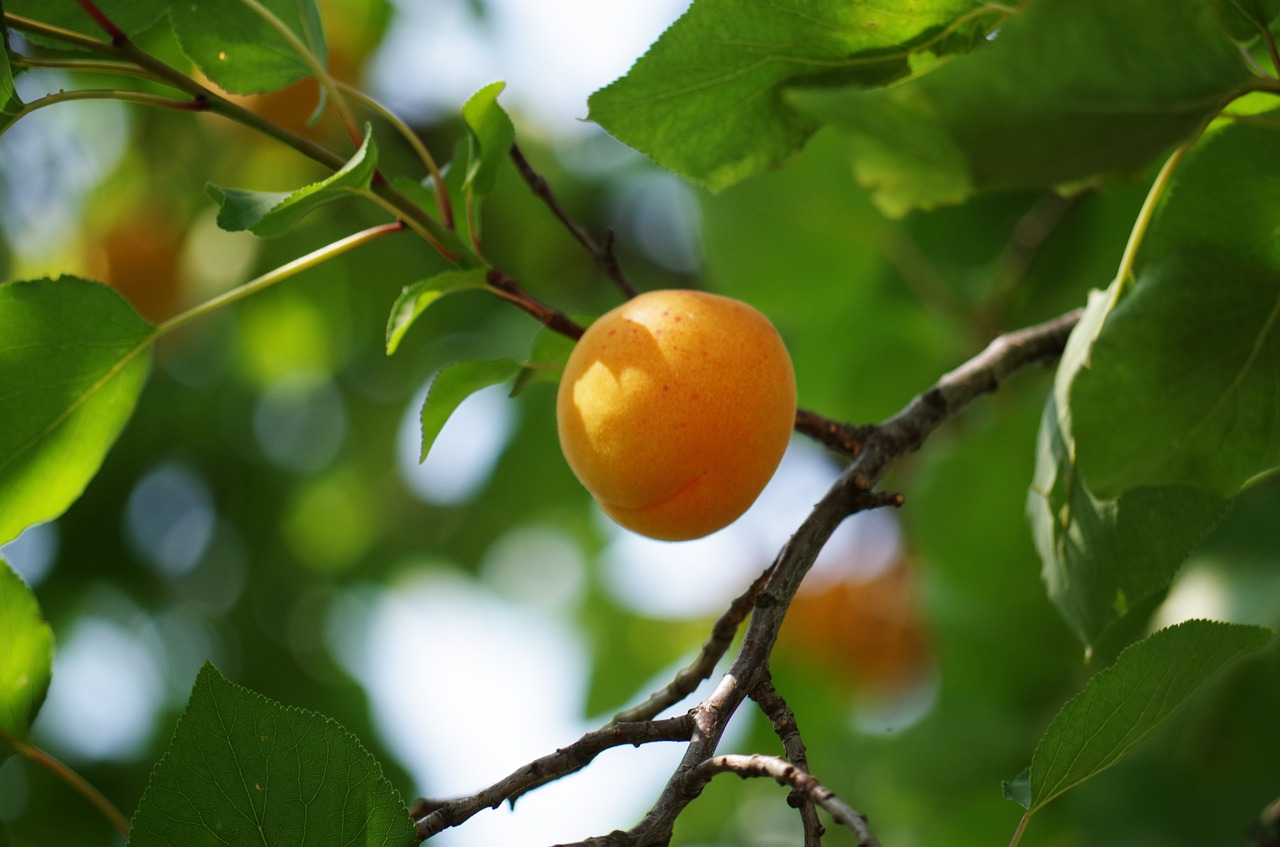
[(26, 656), (1068, 90), (491, 133), (243, 769), (416, 298), (455, 383), (132, 17), (1124, 703), (1182, 384), (1102, 557), (73, 358), (239, 50), (270, 214), (705, 100)]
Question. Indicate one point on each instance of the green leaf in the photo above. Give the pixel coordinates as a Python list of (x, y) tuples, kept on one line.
[(26, 656), (455, 383), (416, 298), (268, 214), (1067, 90), (490, 133), (73, 358), (239, 50), (705, 100), (10, 103), (1018, 789), (1102, 557), (547, 356), (133, 17), (1124, 703), (242, 769), (1182, 385), (1246, 19)]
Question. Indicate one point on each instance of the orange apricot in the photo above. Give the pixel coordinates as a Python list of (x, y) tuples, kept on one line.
[(674, 411)]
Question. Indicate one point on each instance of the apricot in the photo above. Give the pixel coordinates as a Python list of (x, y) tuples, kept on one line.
[(674, 411)]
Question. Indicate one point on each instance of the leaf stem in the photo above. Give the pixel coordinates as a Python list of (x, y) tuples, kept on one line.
[(124, 95), (313, 62), (84, 66), (442, 193), (104, 23), (311, 260), (1270, 41), (438, 236), (1124, 274), (1017, 833), (78, 783)]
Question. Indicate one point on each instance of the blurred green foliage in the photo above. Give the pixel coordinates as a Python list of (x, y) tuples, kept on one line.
[(287, 413)]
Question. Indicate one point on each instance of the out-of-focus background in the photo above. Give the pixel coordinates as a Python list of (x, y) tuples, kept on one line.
[(265, 508)]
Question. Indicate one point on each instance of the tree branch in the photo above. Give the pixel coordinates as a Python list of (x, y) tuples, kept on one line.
[(766, 601), (786, 774), (783, 720), (689, 678), (851, 493), (435, 816), (602, 254)]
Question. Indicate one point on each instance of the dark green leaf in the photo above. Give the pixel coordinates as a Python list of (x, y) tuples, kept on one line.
[(1102, 557), (73, 359), (490, 133), (1068, 90), (270, 214), (1246, 19), (10, 103), (1182, 385), (454, 384), (242, 769), (26, 656), (1124, 703), (132, 17), (705, 100), (239, 50), (415, 299)]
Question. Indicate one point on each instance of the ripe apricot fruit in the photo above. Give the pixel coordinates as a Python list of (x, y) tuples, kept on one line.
[(674, 411)]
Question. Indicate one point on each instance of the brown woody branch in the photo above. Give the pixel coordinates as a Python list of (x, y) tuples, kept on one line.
[(767, 602), (690, 677), (783, 720), (601, 253), (436, 816), (788, 775)]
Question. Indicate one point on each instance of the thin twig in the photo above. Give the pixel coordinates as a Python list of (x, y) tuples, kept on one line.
[(689, 678), (783, 720), (507, 288), (549, 768), (843, 438), (602, 254), (786, 774)]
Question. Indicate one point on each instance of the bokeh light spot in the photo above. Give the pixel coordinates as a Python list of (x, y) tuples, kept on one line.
[(106, 692), (300, 421), (169, 518), (464, 453)]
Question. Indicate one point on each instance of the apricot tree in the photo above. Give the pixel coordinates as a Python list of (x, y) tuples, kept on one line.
[(903, 189)]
